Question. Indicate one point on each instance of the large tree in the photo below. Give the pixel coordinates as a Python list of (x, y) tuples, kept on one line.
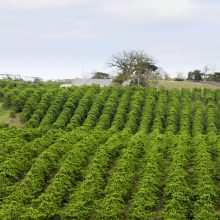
[(134, 65), (195, 75), (217, 76)]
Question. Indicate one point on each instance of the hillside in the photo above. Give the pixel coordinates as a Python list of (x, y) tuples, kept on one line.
[(110, 153), (171, 84)]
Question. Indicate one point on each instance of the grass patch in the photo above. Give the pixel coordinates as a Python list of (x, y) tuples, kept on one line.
[(5, 117), (4, 114), (169, 84)]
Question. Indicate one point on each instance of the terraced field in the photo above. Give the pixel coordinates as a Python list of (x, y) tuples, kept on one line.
[(110, 153)]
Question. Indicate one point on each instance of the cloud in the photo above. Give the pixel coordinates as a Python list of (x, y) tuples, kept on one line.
[(180, 34), (123, 8), (80, 31), (146, 10), (38, 4), (46, 28), (77, 34)]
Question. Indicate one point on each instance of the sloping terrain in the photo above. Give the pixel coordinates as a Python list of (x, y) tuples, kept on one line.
[(110, 153), (172, 84), (7, 119)]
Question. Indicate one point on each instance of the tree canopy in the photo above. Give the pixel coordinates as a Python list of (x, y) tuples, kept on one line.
[(195, 75), (100, 75), (134, 65), (198, 75)]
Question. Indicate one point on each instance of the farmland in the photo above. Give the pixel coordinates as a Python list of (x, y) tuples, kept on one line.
[(110, 153), (171, 84)]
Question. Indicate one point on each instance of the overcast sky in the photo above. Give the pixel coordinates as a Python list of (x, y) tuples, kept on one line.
[(70, 38)]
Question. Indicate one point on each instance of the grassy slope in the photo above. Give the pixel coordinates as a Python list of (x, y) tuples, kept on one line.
[(185, 84), (6, 119), (4, 114)]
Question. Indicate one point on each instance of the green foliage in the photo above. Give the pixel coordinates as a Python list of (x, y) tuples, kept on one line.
[(83, 108), (110, 109), (83, 199), (69, 108), (205, 190), (119, 119), (32, 103), (110, 153), (42, 108), (100, 75), (130, 63), (119, 184), (177, 190), (195, 75), (173, 112), (55, 108), (96, 109), (148, 110), (146, 197), (160, 111), (185, 115)]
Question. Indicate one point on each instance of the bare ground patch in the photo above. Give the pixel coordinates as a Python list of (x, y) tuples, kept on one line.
[(5, 118)]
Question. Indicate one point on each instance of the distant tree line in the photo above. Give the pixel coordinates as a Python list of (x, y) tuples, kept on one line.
[(198, 75)]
